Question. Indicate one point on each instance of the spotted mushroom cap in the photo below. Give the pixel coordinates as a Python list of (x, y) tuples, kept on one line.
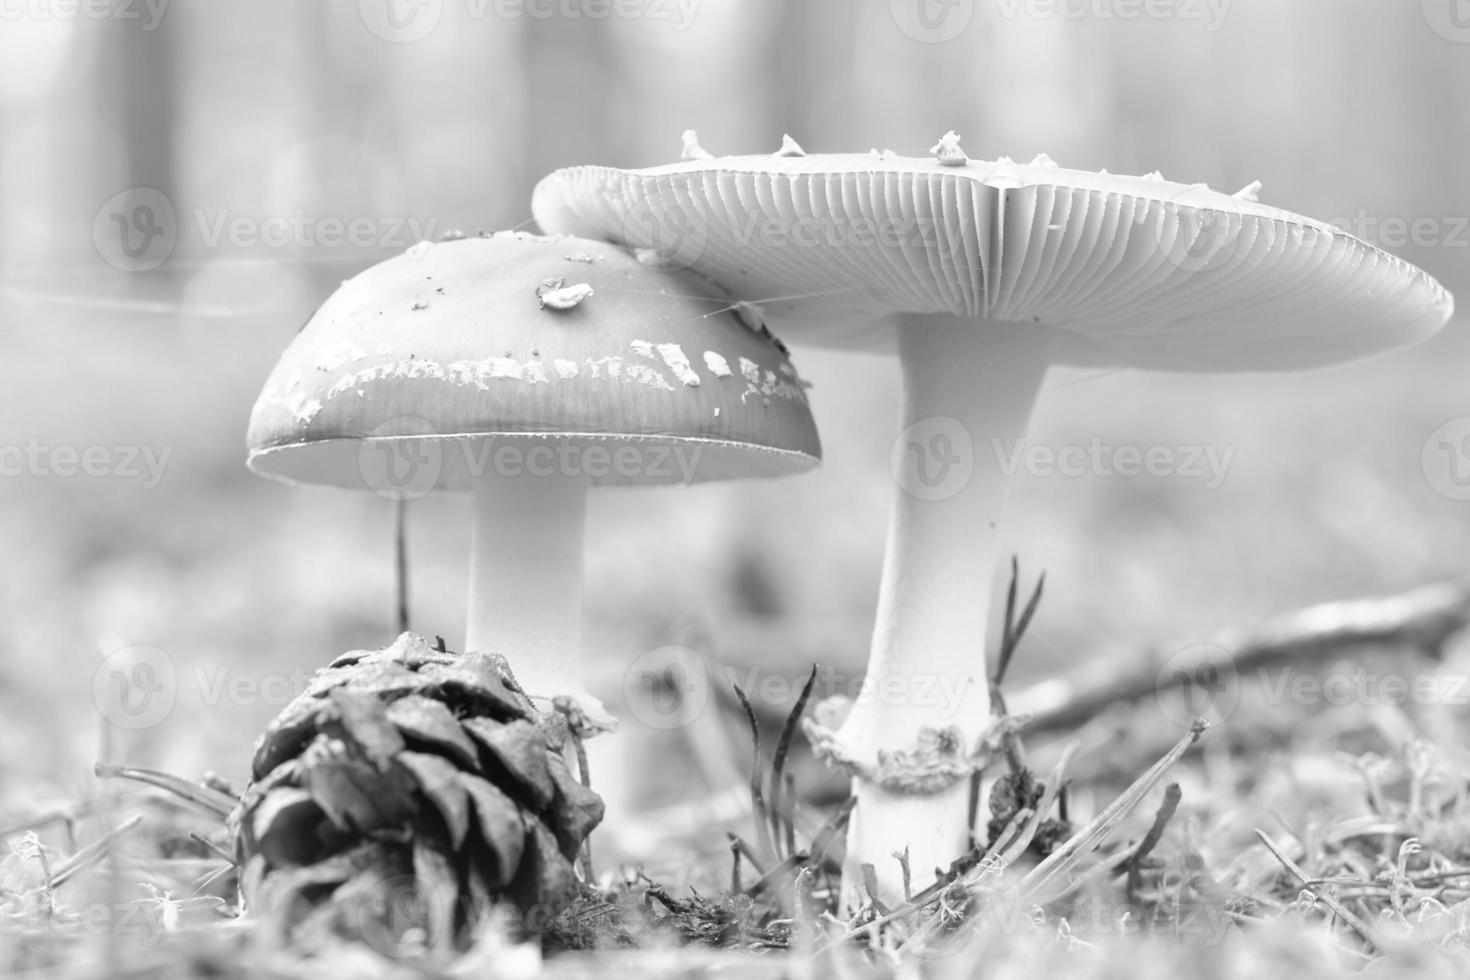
[(838, 249), (448, 353)]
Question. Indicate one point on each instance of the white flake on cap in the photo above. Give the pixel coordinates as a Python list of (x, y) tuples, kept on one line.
[(691, 149), (612, 365), (333, 356), (642, 348), (645, 375), (947, 151), (301, 408), (717, 364), (673, 356), (563, 297), (418, 249), (1250, 192), (766, 384), (789, 148), (480, 373), (565, 370)]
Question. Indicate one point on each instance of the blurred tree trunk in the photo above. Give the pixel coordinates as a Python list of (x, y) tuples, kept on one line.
[(138, 81)]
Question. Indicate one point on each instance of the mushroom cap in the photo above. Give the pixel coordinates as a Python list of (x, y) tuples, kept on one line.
[(838, 249), (446, 356)]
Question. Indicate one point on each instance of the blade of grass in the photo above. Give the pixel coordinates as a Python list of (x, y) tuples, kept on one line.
[(206, 798), (1063, 859), (1340, 910), (400, 561), (757, 797), (831, 831), (93, 852), (1172, 796), (778, 761), (1043, 806)]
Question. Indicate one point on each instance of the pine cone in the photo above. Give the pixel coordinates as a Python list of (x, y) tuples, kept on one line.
[(401, 796)]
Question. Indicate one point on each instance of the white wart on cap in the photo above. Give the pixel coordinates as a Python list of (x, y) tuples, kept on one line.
[(525, 370)]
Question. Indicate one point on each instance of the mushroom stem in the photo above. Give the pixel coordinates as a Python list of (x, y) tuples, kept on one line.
[(525, 599), (968, 392)]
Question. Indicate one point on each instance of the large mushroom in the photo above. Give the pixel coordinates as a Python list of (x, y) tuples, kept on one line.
[(525, 370), (980, 275)]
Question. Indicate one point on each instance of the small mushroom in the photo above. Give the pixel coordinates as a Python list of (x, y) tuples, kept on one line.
[(1007, 269), (612, 392)]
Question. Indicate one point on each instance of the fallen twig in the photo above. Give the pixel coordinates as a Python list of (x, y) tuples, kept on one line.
[(1423, 619)]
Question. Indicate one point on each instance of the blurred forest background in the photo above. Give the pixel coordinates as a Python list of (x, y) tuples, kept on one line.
[(212, 123)]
